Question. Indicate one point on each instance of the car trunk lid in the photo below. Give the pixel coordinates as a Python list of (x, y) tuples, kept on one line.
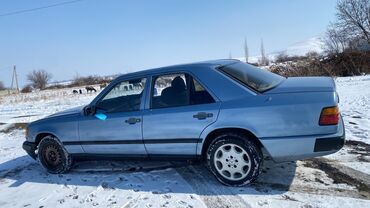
[(304, 84)]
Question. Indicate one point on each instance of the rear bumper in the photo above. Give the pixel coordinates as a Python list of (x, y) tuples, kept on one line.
[(30, 148), (329, 144), (302, 147)]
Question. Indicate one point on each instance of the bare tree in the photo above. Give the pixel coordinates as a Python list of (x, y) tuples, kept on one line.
[(282, 57), (336, 40), (39, 78), (246, 51), (354, 16), (2, 87), (312, 54), (26, 89), (264, 60)]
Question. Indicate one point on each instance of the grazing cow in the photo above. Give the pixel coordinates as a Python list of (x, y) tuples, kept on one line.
[(75, 92), (90, 89), (80, 91)]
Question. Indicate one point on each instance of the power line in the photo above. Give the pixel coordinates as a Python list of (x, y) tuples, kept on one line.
[(39, 8)]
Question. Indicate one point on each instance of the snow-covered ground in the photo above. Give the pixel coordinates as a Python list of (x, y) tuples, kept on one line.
[(354, 95), (354, 103), (338, 180)]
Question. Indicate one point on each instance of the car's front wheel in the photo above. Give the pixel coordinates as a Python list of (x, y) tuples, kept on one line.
[(234, 159), (53, 156)]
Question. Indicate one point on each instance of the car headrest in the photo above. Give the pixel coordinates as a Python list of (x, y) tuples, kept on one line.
[(178, 83)]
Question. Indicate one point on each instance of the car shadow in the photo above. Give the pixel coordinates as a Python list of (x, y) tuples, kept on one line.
[(157, 177)]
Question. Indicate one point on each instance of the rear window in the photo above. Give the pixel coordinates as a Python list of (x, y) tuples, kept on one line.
[(256, 78)]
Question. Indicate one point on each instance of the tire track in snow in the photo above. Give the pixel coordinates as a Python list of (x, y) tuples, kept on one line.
[(342, 174), (132, 203), (209, 189)]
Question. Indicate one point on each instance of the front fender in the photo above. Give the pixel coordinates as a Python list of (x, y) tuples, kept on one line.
[(65, 128)]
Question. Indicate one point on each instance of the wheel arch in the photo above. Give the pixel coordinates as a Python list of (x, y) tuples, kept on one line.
[(42, 135), (216, 132)]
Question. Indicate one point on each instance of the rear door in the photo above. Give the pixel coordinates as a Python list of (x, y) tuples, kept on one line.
[(180, 108)]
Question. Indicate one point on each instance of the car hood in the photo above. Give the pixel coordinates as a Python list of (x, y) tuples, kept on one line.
[(304, 84), (70, 111)]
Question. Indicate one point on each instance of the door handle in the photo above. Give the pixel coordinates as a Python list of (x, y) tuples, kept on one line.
[(202, 115), (133, 120)]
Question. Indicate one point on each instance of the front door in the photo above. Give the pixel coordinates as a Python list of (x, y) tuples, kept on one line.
[(116, 126), (180, 110)]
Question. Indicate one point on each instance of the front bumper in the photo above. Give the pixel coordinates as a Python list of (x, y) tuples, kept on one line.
[(30, 148)]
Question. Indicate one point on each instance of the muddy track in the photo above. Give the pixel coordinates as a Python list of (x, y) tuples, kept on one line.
[(13, 127), (358, 144), (209, 189), (343, 174), (359, 148), (26, 116), (265, 187)]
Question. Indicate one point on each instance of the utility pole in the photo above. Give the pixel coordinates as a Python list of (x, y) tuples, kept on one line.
[(15, 79)]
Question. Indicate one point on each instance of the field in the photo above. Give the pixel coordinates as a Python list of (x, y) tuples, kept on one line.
[(338, 180)]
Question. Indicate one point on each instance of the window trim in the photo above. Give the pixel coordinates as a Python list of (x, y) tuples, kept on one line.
[(142, 102), (152, 83)]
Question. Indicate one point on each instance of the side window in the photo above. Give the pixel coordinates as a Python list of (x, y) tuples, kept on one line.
[(170, 91), (199, 95), (123, 97), (178, 90)]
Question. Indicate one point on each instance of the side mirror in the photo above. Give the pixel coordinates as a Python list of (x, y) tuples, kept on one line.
[(89, 110)]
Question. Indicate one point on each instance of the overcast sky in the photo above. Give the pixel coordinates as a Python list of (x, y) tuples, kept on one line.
[(104, 37)]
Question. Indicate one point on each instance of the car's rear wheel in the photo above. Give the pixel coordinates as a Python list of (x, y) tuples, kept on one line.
[(53, 156), (234, 159)]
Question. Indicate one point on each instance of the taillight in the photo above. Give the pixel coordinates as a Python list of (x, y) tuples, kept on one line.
[(329, 116)]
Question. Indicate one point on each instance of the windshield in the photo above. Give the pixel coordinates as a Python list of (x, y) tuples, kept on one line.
[(256, 78)]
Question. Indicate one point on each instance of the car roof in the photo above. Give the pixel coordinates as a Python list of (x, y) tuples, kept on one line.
[(203, 64)]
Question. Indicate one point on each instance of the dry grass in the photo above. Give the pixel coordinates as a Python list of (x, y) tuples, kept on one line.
[(344, 64)]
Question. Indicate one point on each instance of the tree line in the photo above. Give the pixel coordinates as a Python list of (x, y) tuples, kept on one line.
[(346, 46)]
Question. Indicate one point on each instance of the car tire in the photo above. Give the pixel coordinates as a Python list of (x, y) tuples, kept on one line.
[(234, 159), (53, 156)]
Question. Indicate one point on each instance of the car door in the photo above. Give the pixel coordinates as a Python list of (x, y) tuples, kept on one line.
[(180, 108), (116, 126)]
